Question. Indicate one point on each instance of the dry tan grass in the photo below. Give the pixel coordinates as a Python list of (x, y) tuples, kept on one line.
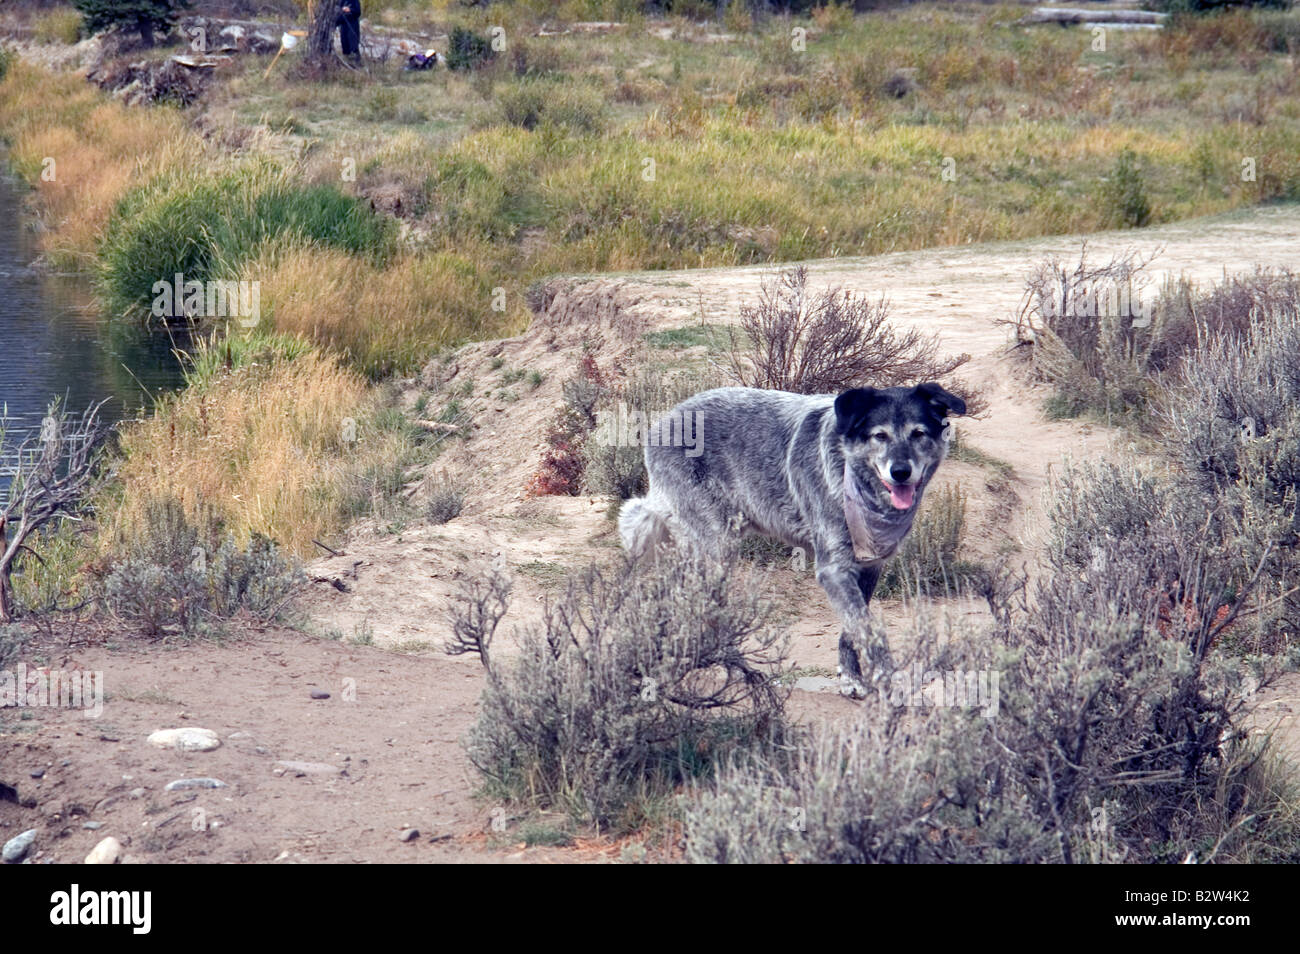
[(266, 446), (99, 150), (381, 320)]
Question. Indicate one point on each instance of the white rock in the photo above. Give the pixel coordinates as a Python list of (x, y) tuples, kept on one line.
[(105, 853), (187, 739), (185, 784)]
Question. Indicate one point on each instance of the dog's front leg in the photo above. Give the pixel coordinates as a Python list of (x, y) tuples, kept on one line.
[(849, 586)]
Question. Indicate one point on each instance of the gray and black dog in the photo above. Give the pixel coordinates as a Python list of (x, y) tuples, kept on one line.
[(841, 476)]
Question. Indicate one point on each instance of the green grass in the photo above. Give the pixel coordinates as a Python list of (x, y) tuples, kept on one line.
[(688, 336), (547, 575), (963, 450)]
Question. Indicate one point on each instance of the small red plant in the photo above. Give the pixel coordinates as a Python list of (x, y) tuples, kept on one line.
[(561, 470)]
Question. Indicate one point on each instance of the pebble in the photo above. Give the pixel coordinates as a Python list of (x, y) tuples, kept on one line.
[(187, 739), (319, 694), (182, 784), (38, 772), (137, 792), (16, 848), (409, 834), (92, 826), (305, 768), (105, 853)]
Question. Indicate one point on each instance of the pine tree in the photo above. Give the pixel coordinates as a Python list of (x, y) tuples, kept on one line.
[(147, 16)]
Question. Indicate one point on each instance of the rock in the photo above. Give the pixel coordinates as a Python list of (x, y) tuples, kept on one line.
[(137, 792), (37, 772), (410, 834), (92, 825), (16, 848), (105, 853), (183, 784), (187, 739), (299, 769), (319, 694)]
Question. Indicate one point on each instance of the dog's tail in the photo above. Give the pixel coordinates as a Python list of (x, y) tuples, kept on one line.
[(641, 526)]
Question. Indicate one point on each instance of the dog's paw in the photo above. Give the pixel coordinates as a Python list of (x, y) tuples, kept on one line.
[(851, 687)]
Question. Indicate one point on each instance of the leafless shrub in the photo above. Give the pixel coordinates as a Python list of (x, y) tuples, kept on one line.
[(1092, 339), (183, 575), (1231, 425), (476, 612), (49, 474), (830, 342), (1104, 348), (638, 678)]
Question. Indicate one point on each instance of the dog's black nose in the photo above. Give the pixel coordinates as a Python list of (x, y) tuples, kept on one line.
[(900, 473)]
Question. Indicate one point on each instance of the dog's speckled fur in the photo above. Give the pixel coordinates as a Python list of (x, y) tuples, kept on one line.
[(841, 477)]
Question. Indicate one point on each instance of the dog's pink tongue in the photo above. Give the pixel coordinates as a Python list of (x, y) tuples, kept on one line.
[(901, 495)]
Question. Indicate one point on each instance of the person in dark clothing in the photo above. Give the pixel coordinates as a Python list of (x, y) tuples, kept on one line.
[(349, 24)]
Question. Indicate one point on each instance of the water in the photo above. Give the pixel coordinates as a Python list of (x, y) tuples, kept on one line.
[(55, 343)]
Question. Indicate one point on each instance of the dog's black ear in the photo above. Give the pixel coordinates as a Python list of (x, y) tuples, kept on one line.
[(852, 408), (942, 400)]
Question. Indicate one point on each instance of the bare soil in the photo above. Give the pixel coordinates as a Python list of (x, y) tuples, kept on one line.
[(398, 708)]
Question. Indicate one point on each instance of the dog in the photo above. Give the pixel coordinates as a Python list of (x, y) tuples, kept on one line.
[(841, 476)]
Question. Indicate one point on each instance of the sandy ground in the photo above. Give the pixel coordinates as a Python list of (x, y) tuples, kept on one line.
[(389, 733)]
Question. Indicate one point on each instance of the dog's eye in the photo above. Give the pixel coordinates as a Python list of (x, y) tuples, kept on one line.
[(918, 434), (880, 436)]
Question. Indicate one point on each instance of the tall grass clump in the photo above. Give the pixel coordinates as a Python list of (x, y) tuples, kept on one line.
[(381, 319), (208, 227), (262, 436), (929, 561), (1125, 192), (533, 103), (638, 678)]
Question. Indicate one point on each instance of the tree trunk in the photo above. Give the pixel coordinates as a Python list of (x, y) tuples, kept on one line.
[(146, 30), (320, 44)]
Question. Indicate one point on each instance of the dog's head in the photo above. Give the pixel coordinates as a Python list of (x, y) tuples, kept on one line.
[(893, 438)]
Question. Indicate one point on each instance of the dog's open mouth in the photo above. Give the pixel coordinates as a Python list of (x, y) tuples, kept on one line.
[(900, 495)]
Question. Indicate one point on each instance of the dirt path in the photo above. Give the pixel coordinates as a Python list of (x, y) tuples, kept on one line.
[(388, 757)]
